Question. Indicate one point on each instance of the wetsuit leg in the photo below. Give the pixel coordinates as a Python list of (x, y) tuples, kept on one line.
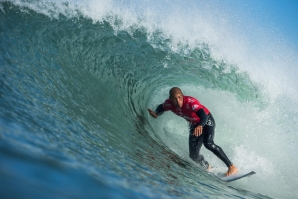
[(195, 144), (208, 136)]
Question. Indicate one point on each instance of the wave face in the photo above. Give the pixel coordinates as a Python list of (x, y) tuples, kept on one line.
[(76, 82)]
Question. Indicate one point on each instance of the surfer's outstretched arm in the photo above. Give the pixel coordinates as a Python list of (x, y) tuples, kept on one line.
[(152, 113), (159, 111)]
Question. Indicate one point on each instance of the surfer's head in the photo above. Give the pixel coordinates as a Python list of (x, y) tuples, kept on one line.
[(176, 96)]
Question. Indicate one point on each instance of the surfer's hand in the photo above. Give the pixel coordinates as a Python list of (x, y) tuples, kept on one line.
[(152, 113), (198, 131)]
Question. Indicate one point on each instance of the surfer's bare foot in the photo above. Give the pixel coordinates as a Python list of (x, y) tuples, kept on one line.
[(209, 168), (232, 169)]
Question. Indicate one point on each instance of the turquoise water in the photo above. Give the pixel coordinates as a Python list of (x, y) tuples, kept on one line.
[(77, 79)]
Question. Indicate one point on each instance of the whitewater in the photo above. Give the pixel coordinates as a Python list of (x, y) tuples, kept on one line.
[(77, 77)]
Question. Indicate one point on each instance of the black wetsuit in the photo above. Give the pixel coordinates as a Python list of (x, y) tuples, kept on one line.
[(195, 143)]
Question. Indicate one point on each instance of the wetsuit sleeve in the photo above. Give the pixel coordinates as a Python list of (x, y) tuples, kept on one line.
[(159, 110), (203, 116)]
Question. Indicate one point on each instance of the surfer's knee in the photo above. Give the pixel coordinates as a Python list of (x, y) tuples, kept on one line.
[(196, 157), (210, 146), (199, 159)]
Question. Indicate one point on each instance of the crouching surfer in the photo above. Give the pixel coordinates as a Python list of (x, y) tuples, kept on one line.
[(202, 127)]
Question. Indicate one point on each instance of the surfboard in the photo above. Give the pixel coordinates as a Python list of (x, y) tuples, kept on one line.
[(220, 173)]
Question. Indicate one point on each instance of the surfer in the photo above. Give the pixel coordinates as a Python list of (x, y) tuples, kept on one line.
[(201, 123)]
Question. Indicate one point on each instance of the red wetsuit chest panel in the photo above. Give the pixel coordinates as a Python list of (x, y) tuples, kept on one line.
[(188, 110)]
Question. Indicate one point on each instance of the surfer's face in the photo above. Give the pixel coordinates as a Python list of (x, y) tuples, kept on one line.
[(177, 99)]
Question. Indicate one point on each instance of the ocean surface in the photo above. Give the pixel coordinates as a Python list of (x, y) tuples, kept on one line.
[(77, 77)]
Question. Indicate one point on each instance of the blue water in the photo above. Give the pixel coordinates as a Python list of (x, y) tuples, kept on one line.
[(76, 79)]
